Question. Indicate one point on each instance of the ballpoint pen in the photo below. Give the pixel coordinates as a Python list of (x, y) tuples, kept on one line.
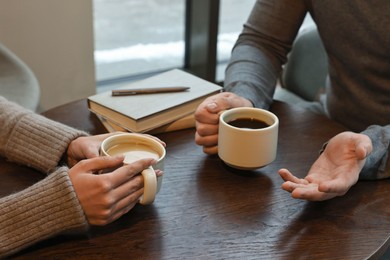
[(138, 91)]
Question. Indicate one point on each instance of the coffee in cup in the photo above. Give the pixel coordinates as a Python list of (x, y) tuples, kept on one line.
[(249, 123), (247, 137), (135, 147)]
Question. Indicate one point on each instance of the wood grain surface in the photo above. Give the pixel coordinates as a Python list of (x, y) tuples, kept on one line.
[(206, 210)]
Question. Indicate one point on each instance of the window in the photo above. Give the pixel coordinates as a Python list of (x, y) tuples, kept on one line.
[(233, 15), (134, 37)]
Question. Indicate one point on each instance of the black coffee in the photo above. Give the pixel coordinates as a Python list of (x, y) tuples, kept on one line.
[(251, 123)]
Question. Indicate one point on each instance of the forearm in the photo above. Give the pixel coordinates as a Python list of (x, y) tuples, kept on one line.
[(377, 165), (31, 139), (259, 52), (43, 210), (251, 75), (40, 144)]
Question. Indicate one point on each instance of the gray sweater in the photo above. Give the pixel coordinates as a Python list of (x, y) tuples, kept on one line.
[(356, 36), (50, 206)]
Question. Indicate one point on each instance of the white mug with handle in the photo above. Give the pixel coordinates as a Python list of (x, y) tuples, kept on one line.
[(135, 147)]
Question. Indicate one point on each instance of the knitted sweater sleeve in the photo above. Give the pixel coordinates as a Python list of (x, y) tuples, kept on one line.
[(31, 139), (43, 210), (51, 205)]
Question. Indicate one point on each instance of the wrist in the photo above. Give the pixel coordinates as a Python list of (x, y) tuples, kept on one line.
[(64, 158)]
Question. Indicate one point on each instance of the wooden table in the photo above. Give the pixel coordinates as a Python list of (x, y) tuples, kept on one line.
[(206, 210)]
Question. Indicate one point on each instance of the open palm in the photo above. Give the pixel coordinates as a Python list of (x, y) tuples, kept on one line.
[(334, 172)]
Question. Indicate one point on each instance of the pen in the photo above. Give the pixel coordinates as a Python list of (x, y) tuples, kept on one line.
[(126, 92)]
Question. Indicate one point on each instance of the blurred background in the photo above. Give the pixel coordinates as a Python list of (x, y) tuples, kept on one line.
[(134, 37), (78, 48)]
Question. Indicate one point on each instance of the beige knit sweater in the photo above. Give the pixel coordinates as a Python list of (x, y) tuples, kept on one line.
[(50, 206)]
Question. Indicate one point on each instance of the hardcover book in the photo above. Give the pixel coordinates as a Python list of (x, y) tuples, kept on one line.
[(144, 112), (179, 124)]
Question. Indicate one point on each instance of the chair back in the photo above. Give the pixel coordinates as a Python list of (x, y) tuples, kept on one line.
[(307, 67), (17, 81)]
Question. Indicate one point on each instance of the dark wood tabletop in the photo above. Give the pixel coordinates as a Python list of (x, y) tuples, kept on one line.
[(206, 210)]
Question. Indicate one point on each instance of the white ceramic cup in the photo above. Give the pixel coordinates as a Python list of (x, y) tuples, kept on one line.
[(136, 147), (247, 148)]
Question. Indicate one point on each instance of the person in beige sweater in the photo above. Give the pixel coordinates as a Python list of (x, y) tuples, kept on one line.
[(72, 196)]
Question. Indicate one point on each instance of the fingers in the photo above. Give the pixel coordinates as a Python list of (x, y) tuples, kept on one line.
[(302, 188), (205, 116), (207, 136), (292, 186), (311, 193), (213, 108), (122, 189), (206, 140), (125, 173), (119, 208), (310, 189), (206, 129), (308, 192), (289, 186), (209, 143), (94, 165), (126, 197), (128, 186), (120, 212), (210, 150), (159, 173), (208, 111), (288, 176)]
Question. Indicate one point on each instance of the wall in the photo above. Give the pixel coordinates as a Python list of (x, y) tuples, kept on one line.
[(55, 38)]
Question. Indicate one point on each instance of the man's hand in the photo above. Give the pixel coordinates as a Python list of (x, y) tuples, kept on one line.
[(207, 117), (334, 172)]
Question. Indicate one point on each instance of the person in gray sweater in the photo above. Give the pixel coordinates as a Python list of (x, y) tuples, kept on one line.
[(356, 37), (72, 197)]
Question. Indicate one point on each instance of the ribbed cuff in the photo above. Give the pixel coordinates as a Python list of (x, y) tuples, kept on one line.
[(377, 164), (39, 142), (43, 210)]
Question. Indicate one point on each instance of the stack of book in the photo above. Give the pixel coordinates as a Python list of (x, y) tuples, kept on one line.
[(153, 112)]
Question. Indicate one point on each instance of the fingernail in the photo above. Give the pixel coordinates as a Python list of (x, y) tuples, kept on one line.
[(212, 105)]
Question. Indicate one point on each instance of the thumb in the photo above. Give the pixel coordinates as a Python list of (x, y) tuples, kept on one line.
[(213, 108), (363, 147)]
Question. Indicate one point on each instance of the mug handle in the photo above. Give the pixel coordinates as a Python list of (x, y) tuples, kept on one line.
[(150, 186)]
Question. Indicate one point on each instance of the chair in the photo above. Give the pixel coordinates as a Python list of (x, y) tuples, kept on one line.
[(17, 81), (304, 75)]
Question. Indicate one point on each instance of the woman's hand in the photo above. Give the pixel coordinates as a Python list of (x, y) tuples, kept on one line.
[(106, 197), (86, 147)]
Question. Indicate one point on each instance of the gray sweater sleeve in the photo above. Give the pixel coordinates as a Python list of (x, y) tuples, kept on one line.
[(246, 81), (259, 53), (377, 165)]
